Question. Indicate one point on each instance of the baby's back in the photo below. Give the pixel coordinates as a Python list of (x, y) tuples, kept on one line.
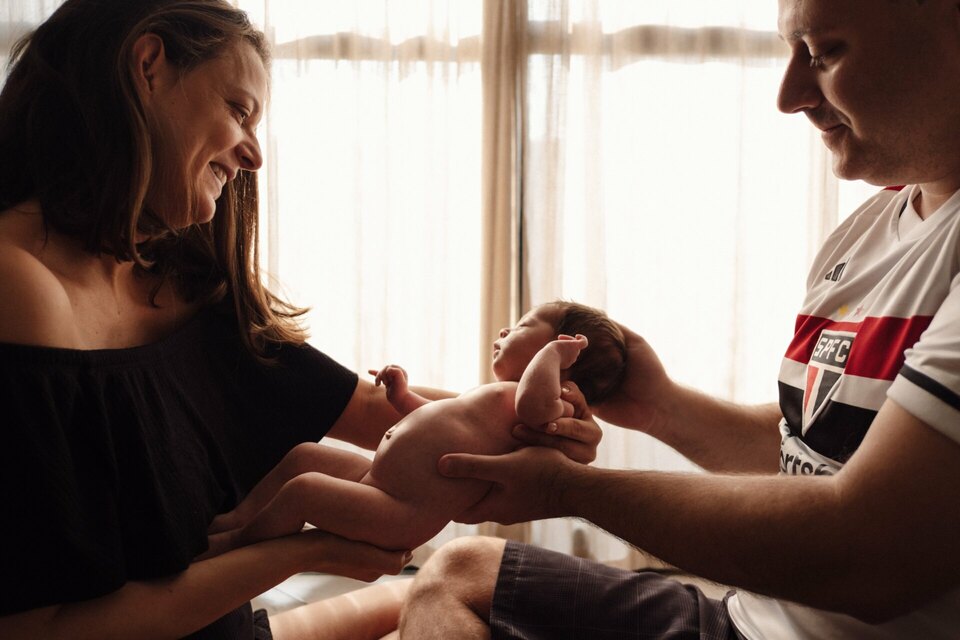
[(405, 465)]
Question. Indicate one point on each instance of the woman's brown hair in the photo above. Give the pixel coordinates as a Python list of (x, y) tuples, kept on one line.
[(74, 136)]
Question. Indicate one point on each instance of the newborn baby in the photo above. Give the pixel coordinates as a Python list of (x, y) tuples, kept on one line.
[(399, 500)]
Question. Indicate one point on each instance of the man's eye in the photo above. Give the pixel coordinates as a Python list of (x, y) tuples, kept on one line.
[(821, 60)]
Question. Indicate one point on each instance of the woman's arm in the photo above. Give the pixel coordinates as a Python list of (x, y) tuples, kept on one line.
[(207, 590)]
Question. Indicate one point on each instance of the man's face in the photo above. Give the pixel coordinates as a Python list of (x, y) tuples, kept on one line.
[(881, 80)]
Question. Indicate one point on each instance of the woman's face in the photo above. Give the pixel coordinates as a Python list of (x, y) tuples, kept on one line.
[(206, 131)]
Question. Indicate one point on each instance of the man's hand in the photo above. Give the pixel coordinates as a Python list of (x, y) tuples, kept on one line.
[(644, 389), (576, 437), (525, 486)]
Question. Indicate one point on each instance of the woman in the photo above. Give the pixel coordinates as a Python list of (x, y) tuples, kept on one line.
[(149, 380)]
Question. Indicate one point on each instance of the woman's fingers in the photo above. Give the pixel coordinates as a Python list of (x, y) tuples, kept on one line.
[(352, 559)]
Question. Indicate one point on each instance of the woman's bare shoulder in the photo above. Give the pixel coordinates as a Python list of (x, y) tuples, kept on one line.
[(34, 306)]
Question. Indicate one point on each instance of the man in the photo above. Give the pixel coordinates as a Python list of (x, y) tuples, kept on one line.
[(855, 537)]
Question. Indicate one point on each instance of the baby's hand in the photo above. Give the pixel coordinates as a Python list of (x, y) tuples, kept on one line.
[(569, 348), (393, 377)]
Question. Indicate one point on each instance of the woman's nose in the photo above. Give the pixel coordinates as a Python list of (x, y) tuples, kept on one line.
[(249, 153), (504, 332)]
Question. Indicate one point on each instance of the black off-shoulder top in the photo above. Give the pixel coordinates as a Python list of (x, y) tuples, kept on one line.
[(114, 462)]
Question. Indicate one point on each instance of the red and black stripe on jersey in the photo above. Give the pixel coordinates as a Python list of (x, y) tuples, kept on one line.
[(876, 352)]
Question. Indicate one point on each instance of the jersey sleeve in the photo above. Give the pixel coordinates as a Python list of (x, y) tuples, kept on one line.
[(928, 385), (296, 398)]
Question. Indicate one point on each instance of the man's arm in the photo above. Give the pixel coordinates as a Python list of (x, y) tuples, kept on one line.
[(874, 541), (181, 604), (717, 435)]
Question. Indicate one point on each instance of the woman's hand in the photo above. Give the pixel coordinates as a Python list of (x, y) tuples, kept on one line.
[(327, 553), (324, 552), (576, 437)]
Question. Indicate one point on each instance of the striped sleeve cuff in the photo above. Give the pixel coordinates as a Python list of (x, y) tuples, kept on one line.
[(928, 400)]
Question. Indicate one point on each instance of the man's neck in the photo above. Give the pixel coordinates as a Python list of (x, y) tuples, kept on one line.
[(931, 197)]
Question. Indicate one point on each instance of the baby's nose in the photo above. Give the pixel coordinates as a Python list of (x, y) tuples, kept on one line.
[(504, 332)]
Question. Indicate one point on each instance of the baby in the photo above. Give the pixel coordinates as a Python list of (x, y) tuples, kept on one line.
[(399, 500)]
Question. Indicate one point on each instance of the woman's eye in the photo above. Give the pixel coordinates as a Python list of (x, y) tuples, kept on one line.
[(240, 113)]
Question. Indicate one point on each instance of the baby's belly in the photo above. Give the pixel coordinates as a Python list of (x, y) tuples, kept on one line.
[(405, 464)]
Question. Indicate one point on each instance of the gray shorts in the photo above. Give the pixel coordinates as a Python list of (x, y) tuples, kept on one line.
[(544, 595)]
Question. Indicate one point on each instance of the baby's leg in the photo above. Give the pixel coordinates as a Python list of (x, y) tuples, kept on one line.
[(345, 508), (303, 458)]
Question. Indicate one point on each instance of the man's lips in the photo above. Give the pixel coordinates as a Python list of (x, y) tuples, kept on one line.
[(825, 121)]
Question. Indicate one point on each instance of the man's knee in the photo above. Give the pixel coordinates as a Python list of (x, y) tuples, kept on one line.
[(465, 570)]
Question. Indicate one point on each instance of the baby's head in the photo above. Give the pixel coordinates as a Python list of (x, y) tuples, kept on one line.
[(599, 368)]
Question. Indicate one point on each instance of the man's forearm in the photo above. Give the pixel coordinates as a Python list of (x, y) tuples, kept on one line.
[(720, 436), (763, 533)]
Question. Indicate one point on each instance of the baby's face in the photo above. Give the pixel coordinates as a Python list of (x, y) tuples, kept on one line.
[(515, 347)]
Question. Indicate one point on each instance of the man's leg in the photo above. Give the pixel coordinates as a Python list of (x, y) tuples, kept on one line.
[(451, 595), (483, 588)]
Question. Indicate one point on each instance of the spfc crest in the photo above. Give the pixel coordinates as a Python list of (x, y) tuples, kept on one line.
[(826, 365)]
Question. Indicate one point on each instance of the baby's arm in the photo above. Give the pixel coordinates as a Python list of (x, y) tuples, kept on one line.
[(308, 456), (394, 379), (538, 393)]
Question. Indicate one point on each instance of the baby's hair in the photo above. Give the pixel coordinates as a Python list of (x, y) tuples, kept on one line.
[(601, 366)]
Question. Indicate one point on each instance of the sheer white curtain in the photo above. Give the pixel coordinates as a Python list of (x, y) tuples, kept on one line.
[(372, 181), (661, 183), (436, 167)]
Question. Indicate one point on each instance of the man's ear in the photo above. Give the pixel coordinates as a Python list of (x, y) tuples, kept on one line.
[(148, 63)]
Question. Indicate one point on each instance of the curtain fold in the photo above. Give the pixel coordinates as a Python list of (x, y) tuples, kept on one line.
[(502, 50)]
